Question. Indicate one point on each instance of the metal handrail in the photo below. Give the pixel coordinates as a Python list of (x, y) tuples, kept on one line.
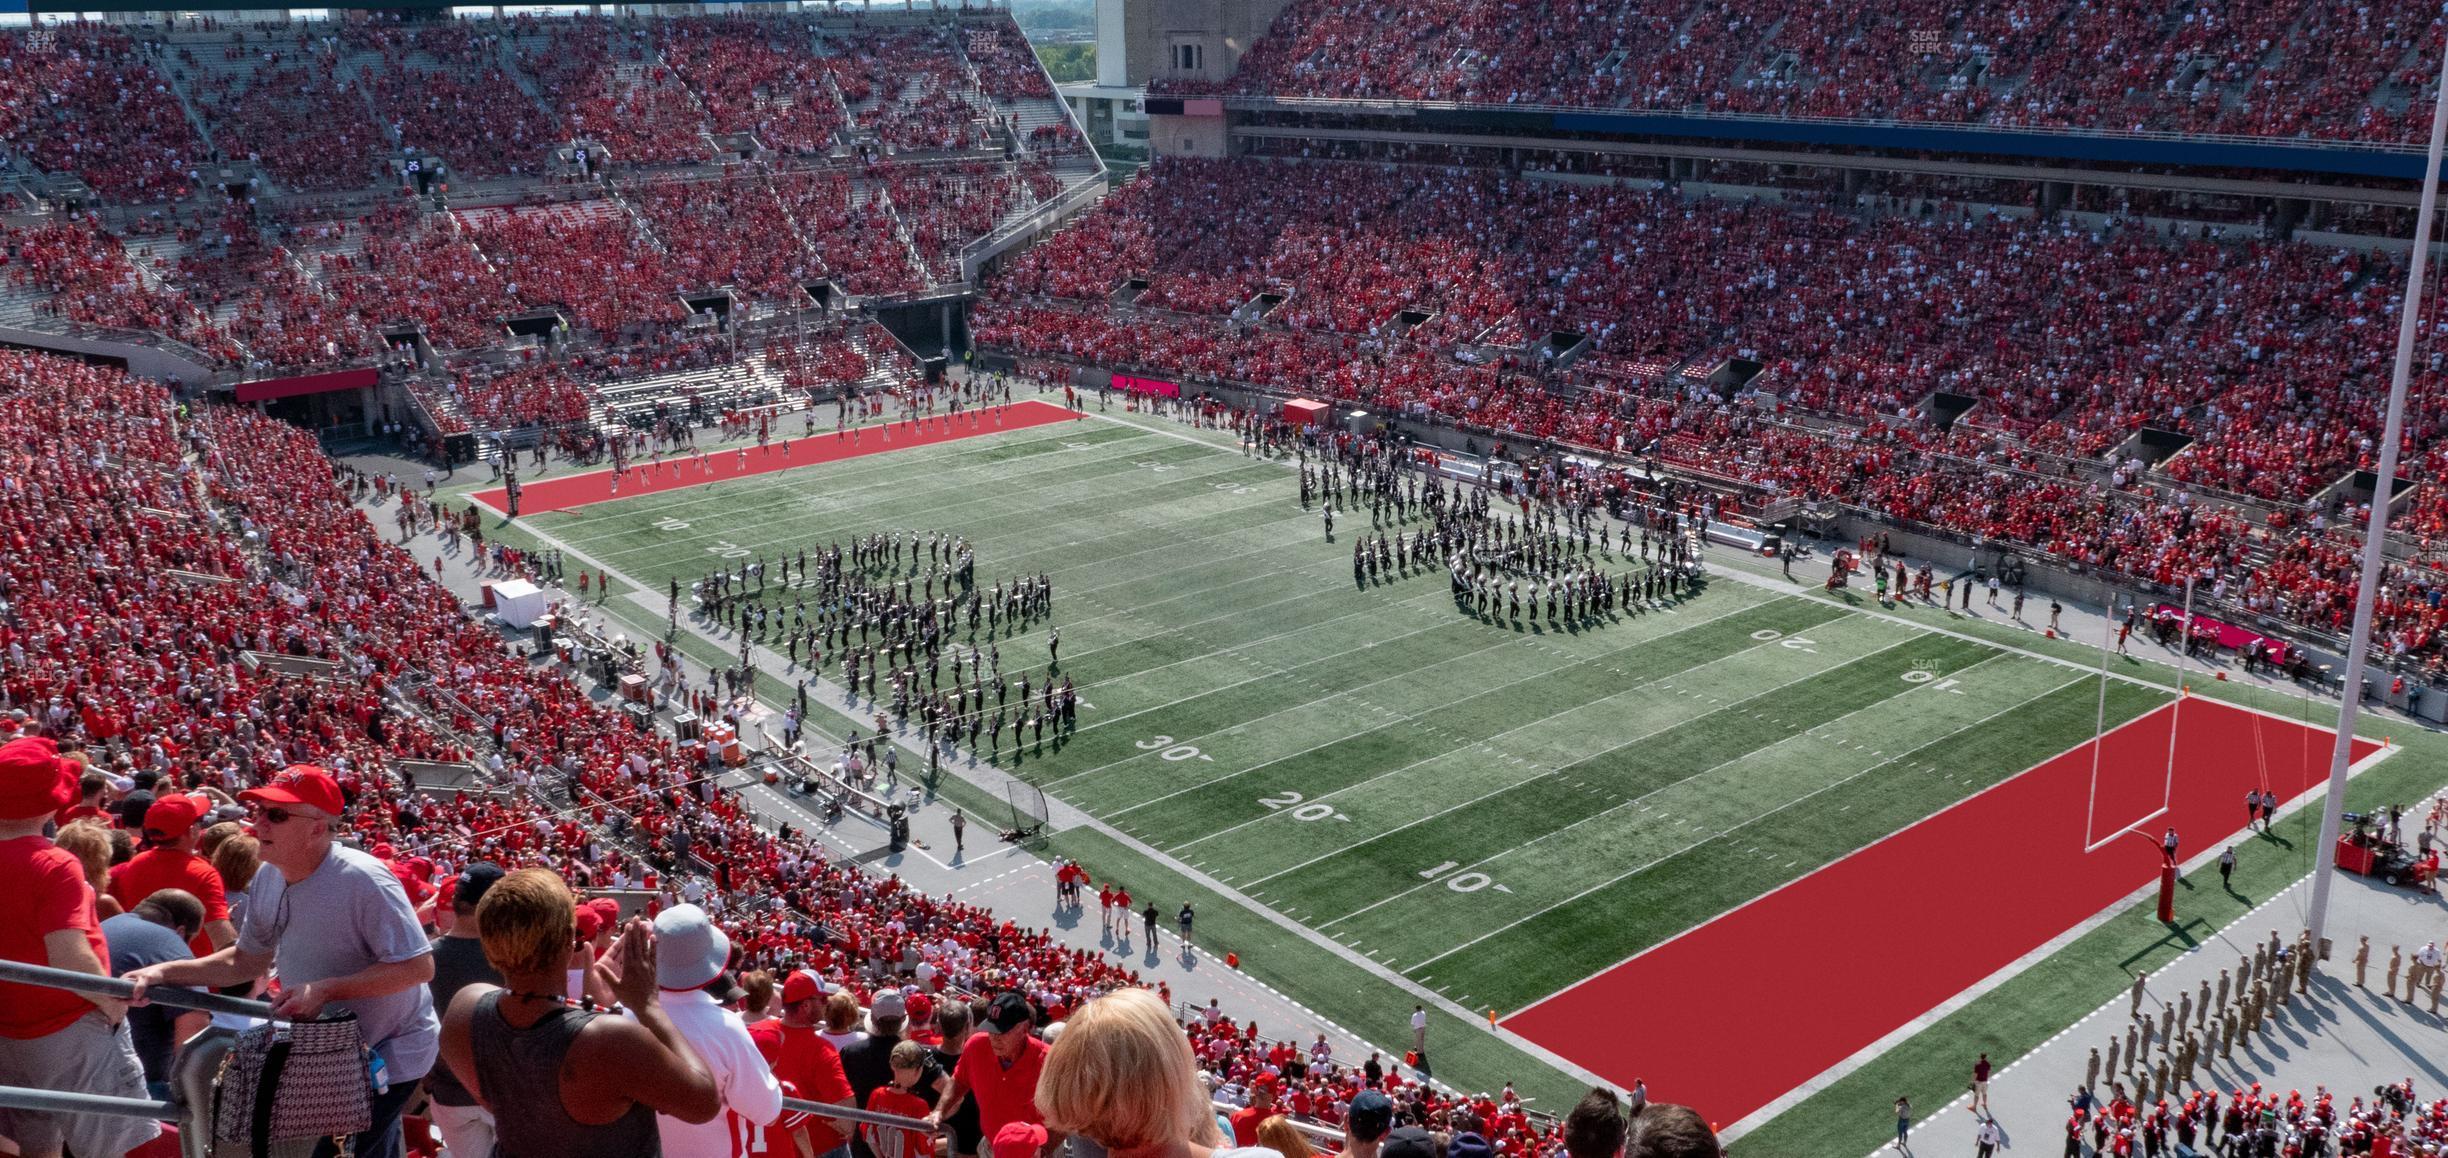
[(197, 999), (1398, 104), (63, 1102), (1052, 206), (863, 1117)]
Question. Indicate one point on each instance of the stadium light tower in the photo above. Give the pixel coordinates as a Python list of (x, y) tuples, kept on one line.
[(2359, 648)]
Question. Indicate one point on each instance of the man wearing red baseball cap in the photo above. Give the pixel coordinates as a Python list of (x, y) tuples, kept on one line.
[(1261, 1106), (52, 1038), (599, 922), (341, 930), (804, 1061), (169, 862)]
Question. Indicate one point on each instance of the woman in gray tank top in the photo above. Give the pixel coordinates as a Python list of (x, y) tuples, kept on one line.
[(565, 1082), (523, 1071)]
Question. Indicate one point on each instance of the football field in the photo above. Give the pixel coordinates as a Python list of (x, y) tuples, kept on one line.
[(1497, 811)]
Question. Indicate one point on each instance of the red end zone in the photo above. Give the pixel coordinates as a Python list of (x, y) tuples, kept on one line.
[(578, 490), (1737, 1012)]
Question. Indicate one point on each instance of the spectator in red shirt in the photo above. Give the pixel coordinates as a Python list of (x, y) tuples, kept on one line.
[(90, 789), (913, 1067), (51, 1038), (803, 1061), (1261, 1106), (1001, 1064), (169, 861)]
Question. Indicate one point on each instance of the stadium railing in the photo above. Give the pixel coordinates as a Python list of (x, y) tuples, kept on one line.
[(199, 1062), (800, 767), (1249, 101), (191, 1075), (975, 255)]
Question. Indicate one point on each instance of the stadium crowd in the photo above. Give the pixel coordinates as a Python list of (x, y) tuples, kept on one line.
[(439, 88), (269, 285), (138, 719), (754, 76), (396, 266), (1430, 291), (84, 99), (317, 104), (605, 83), (2331, 70), (134, 666), (285, 105)]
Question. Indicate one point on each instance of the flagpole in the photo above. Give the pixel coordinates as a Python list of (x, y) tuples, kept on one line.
[(2358, 649)]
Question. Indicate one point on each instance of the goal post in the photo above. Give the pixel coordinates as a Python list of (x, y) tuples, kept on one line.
[(2093, 839)]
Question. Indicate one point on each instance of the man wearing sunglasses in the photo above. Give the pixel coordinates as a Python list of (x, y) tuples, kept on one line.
[(338, 927)]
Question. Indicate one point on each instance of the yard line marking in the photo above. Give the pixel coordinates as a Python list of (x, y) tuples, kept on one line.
[(1743, 576), (1542, 775), (1275, 669), (2077, 746), (784, 496), (1366, 730), (1888, 701), (1321, 699), (1654, 862), (1136, 612)]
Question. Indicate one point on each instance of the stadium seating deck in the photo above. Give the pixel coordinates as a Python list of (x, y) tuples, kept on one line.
[(1870, 326), (2334, 71)]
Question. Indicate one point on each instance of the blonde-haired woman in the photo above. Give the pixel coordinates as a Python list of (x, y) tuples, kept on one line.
[(91, 842), (237, 858), (1278, 1133), (1123, 1076)]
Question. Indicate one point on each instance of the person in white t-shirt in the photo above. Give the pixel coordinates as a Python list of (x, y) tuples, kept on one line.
[(690, 955), (841, 1023)]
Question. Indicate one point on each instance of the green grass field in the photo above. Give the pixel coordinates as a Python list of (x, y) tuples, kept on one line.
[(1496, 810), (1491, 811)]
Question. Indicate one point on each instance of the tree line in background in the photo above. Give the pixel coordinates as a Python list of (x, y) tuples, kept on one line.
[(1068, 62)]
